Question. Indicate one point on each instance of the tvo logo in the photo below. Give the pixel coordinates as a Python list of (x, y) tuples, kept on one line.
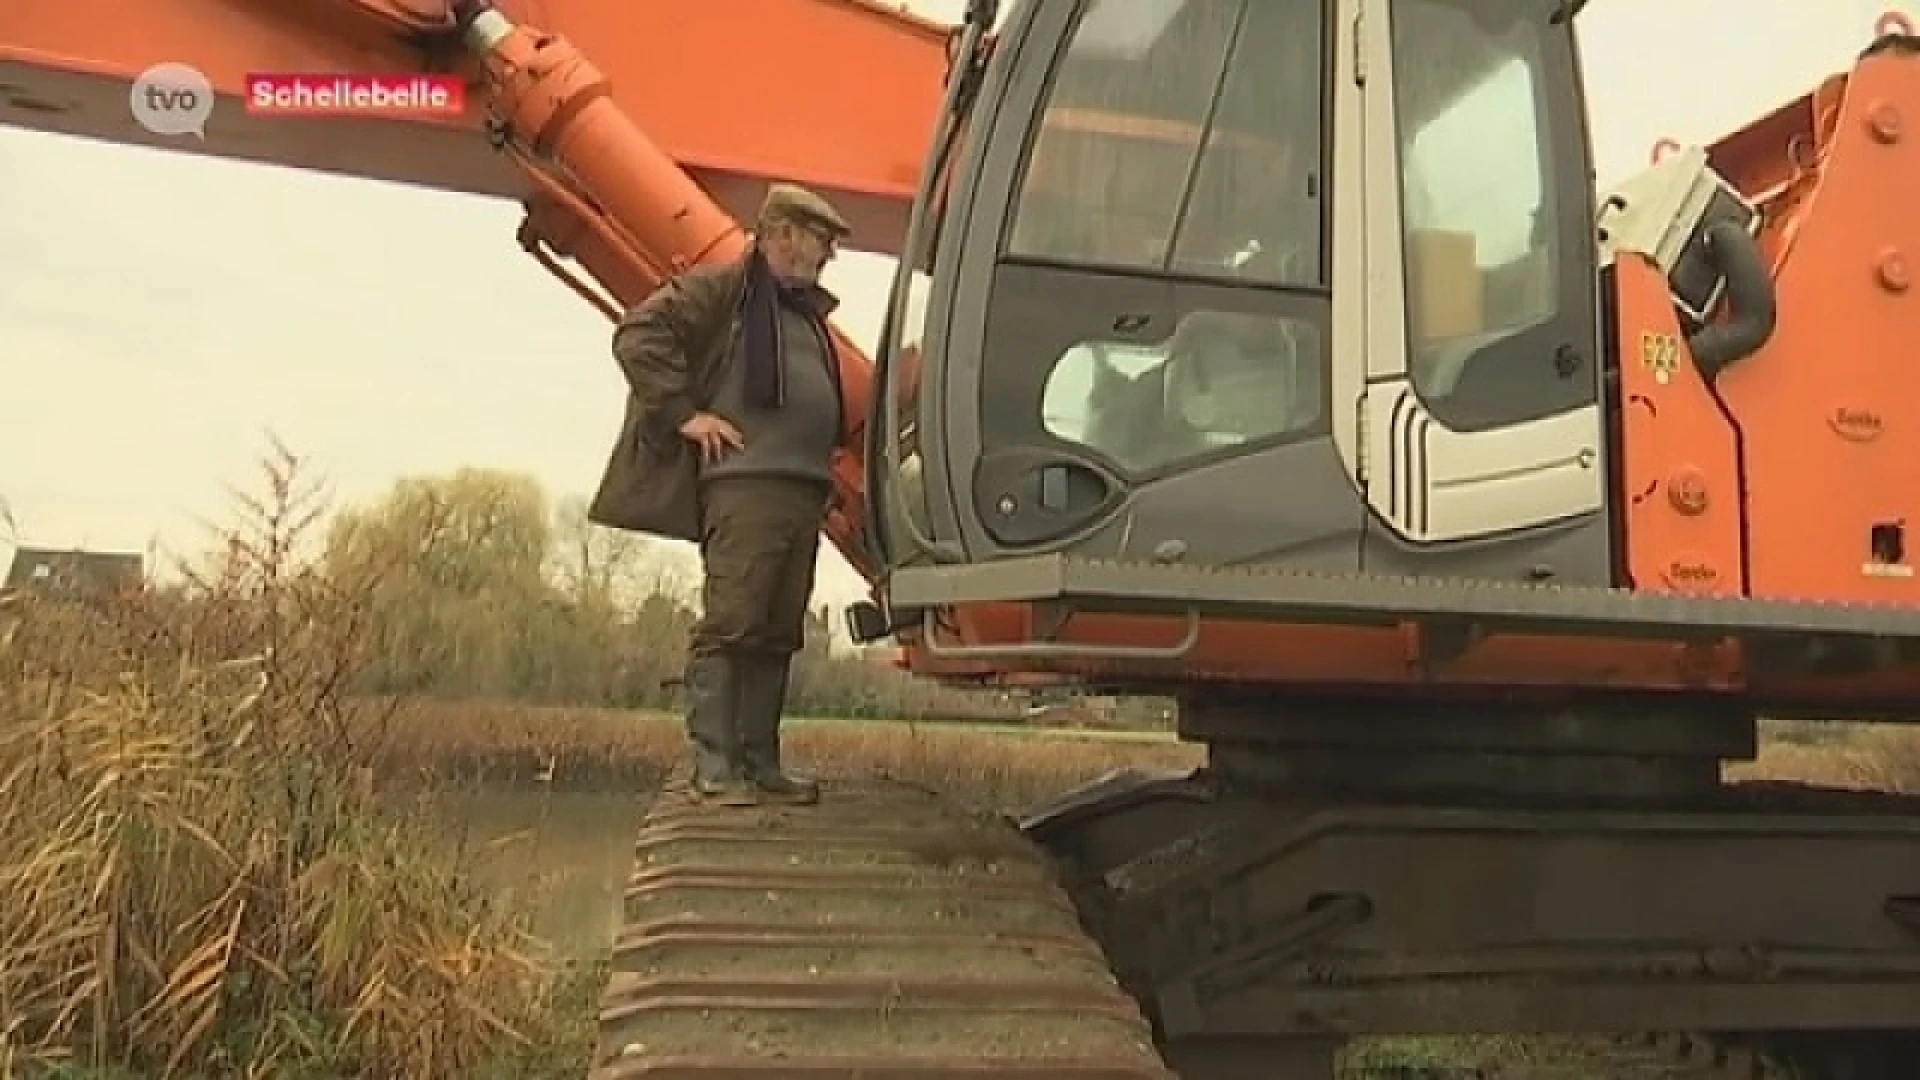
[(172, 99)]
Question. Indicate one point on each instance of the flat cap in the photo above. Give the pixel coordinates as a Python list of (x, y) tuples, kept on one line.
[(791, 202)]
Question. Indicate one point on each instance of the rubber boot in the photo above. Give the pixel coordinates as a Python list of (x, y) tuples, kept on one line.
[(763, 696), (713, 727)]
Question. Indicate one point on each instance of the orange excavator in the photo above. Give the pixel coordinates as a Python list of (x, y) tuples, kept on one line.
[(1282, 359)]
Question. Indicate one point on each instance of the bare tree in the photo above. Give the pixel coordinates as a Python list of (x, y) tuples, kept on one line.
[(591, 562)]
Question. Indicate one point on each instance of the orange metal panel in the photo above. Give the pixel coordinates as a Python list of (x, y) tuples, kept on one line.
[(837, 94), (1679, 461), (1826, 408)]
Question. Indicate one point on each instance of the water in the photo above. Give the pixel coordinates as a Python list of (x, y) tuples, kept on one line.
[(565, 855)]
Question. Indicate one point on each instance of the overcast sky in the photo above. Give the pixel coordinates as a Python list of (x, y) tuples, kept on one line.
[(159, 313)]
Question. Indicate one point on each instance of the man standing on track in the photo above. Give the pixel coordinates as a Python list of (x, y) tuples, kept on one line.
[(734, 414)]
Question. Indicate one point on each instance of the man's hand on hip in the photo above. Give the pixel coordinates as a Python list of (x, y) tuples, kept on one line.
[(712, 434)]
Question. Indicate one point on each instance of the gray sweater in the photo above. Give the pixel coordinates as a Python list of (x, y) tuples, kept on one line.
[(798, 438)]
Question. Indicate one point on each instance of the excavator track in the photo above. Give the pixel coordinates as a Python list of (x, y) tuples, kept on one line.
[(880, 934)]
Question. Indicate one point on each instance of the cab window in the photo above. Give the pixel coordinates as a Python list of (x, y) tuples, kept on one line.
[(1183, 137), (1480, 219)]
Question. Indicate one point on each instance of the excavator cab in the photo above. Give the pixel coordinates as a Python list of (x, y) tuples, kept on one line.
[(1304, 285)]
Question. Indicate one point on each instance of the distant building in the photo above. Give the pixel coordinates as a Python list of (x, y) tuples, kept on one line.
[(74, 573)]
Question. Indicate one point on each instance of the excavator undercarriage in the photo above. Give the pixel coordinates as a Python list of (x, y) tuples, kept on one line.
[(1337, 870)]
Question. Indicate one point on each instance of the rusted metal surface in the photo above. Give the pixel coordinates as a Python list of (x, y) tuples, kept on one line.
[(878, 935)]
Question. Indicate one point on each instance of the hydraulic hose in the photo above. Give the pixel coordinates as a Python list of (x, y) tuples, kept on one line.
[(1753, 306)]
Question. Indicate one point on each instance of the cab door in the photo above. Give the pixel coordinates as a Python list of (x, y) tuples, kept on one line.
[(1479, 436), (1130, 337)]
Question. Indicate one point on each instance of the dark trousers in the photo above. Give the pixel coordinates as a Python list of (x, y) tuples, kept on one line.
[(759, 538)]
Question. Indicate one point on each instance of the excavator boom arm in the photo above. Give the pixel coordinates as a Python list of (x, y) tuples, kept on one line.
[(692, 76), (634, 165)]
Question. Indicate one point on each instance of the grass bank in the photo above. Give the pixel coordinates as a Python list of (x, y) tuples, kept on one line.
[(503, 745)]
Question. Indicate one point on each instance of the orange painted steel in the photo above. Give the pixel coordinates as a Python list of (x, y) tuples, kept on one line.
[(1829, 409), (1679, 461), (731, 90), (1244, 652)]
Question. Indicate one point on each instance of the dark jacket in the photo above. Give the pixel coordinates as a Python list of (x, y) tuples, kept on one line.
[(672, 347)]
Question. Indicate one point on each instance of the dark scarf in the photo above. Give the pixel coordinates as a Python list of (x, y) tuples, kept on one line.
[(761, 345)]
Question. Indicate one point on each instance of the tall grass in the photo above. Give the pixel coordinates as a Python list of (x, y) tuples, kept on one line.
[(193, 880)]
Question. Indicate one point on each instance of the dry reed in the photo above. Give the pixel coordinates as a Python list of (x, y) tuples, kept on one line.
[(191, 880)]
